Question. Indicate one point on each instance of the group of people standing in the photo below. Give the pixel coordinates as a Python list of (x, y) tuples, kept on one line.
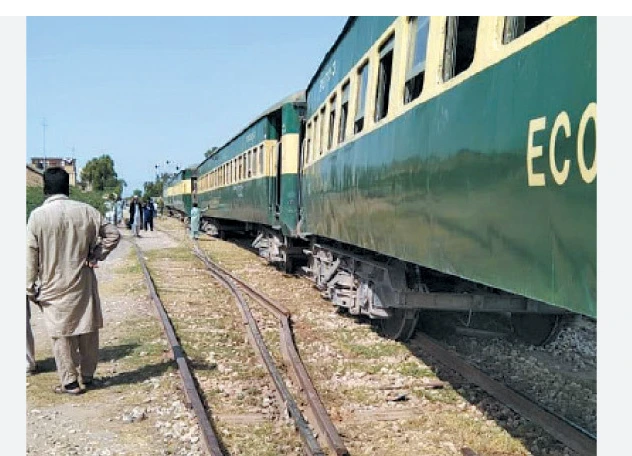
[(141, 215)]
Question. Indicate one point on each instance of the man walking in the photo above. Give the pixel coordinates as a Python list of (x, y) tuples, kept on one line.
[(65, 239)]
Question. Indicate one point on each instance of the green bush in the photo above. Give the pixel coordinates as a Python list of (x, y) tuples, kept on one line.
[(35, 197)]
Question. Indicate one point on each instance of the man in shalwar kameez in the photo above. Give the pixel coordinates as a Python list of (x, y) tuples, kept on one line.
[(65, 239), (195, 221)]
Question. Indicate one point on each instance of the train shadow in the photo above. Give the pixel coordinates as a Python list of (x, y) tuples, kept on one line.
[(534, 439)]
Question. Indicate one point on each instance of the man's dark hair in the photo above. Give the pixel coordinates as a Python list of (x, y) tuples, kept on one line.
[(56, 181)]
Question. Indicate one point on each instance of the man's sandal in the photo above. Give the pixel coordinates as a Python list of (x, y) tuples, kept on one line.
[(61, 389)]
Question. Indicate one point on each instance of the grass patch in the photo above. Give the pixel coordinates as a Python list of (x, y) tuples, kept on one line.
[(412, 369), (374, 351)]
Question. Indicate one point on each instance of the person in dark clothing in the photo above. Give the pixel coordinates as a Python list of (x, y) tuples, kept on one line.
[(134, 206), (148, 215)]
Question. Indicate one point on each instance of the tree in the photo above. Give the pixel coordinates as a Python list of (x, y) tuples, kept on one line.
[(153, 189), (137, 192), (211, 151), (100, 174)]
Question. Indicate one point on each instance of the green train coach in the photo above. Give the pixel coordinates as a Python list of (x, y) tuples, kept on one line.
[(180, 192), (449, 163), (432, 164), (250, 184)]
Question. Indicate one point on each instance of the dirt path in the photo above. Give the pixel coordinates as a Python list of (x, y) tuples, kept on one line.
[(140, 410)]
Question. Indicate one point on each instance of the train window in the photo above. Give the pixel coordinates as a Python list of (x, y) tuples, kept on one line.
[(385, 71), (315, 135), (249, 164), (332, 122), (321, 139), (254, 161), (306, 152), (363, 78), (261, 159), (516, 26), (460, 42), (416, 63), (344, 110)]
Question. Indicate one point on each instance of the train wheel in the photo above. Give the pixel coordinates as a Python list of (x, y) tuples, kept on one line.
[(288, 265), (401, 325), (536, 329)]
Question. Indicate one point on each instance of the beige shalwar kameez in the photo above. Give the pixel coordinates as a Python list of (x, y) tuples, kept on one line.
[(62, 235)]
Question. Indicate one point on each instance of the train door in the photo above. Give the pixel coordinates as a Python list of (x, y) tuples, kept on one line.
[(275, 187), (194, 190), (278, 173), (302, 141)]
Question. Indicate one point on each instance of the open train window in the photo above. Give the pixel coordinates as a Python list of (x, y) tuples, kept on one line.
[(385, 72), (332, 122), (344, 111), (306, 157), (315, 136), (261, 159), (460, 42), (416, 62), (249, 164), (363, 79), (321, 139), (516, 26)]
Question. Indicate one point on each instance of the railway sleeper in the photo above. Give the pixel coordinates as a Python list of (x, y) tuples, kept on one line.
[(394, 293)]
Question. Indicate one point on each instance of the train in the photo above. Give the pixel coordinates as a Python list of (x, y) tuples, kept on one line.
[(443, 163)]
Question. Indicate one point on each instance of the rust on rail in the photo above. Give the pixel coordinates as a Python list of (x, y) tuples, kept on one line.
[(293, 360), (211, 442), (311, 444)]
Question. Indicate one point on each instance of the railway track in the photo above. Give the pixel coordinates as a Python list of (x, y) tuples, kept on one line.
[(565, 431), (572, 435), (317, 411), (210, 438)]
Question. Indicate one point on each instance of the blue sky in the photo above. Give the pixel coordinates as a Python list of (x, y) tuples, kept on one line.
[(145, 90)]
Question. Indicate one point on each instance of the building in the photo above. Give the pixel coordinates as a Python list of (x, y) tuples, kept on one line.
[(69, 164), (34, 176)]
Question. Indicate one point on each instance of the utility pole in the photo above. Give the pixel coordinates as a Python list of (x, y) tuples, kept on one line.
[(44, 125)]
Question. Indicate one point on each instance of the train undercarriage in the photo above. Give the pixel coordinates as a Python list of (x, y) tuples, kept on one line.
[(394, 294)]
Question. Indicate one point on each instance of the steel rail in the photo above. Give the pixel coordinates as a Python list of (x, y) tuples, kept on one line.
[(311, 444), (321, 417), (211, 442), (569, 434)]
